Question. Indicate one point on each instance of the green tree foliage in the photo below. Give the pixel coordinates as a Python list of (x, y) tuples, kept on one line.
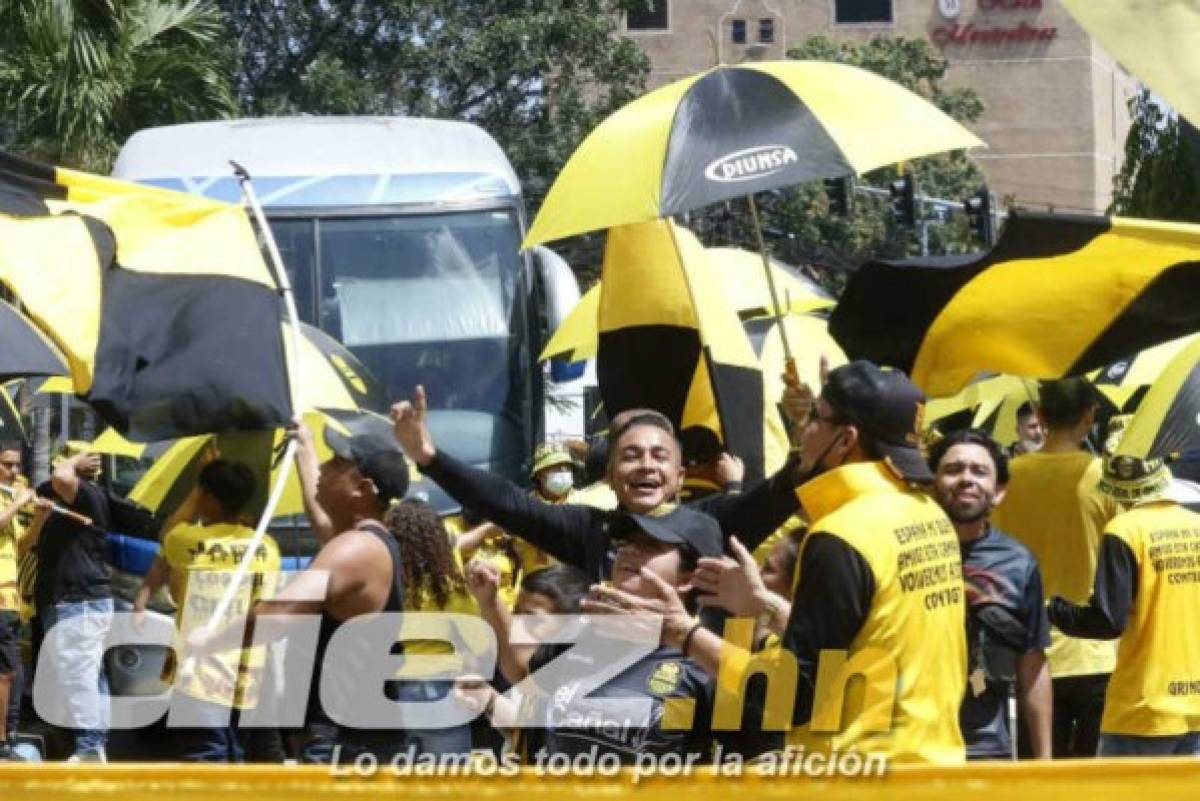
[(1158, 178), (798, 221), (537, 75), (78, 77)]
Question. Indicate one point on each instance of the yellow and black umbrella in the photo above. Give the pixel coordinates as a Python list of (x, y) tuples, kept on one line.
[(26, 350), (743, 286), (173, 474), (1125, 381), (1168, 420), (736, 130), (990, 403), (331, 377), (1058, 295), (668, 340), (766, 338)]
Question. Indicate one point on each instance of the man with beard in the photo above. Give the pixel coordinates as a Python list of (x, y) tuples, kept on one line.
[(878, 592), (1030, 433), (1007, 629)]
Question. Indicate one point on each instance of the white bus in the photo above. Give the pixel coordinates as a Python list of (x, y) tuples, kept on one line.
[(401, 237)]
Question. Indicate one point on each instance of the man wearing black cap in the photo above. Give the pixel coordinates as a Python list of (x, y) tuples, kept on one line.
[(879, 582), (356, 572), (656, 554)]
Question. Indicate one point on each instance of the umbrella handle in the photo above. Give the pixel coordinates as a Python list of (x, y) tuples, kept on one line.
[(793, 372)]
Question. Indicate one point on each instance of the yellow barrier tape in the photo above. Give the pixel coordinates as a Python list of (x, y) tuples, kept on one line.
[(1159, 779)]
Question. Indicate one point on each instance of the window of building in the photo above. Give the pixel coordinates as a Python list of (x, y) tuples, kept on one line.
[(851, 11), (651, 16), (738, 31), (766, 31)]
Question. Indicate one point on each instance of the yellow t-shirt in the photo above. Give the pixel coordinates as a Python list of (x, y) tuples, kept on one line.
[(494, 553), (17, 573), (198, 557), (1054, 506), (1155, 687), (460, 602), (10, 594)]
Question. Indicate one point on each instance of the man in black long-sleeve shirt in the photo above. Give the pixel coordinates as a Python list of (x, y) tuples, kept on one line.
[(645, 472), (1146, 591), (879, 584)]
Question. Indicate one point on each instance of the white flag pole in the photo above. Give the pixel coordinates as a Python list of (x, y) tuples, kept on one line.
[(289, 300)]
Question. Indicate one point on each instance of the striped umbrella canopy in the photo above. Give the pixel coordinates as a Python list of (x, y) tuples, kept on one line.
[(167, 482), (1168, 420), (736, 130), (26, 351), (743, 286), (1121, 380)]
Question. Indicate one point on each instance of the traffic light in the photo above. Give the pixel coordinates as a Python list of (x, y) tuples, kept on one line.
[(904, 200), (840, 192), (979, 211)]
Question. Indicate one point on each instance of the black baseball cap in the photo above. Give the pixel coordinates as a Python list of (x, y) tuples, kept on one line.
[(676, 526), (886, 405), (376, 457)]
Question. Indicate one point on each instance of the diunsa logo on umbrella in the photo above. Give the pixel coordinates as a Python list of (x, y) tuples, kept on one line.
[(749, 164)]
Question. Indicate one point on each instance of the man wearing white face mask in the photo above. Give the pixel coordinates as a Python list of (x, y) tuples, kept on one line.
[(553, 482)]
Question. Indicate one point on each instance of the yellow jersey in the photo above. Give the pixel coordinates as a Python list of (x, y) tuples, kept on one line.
[(1055, 508), (202, 561), (1155, 687)]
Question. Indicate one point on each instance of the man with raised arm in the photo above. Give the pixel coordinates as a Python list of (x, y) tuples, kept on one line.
[(644, 469)]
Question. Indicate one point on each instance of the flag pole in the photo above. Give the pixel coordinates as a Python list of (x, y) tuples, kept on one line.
[(789, 360), (285, 289)]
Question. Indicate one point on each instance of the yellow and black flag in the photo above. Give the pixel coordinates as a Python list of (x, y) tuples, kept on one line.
[(1058, 295), (670, 340), (161, 301)]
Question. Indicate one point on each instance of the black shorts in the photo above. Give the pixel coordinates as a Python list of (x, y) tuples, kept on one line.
[(10, 641)]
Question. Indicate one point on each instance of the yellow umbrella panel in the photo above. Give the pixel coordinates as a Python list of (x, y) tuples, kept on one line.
[(1168, 420), (991, 402), (1121, 380), (669, 341), (173, 474), (810, 341), (329, 376), (736, 130), (742, 284)]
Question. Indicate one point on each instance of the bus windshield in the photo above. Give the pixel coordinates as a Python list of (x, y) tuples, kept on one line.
[(432, 299)]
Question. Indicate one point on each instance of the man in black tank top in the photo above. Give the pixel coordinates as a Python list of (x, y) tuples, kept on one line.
[(356, 572)]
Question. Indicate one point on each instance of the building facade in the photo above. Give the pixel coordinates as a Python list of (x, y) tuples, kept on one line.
[(1056, 104)]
